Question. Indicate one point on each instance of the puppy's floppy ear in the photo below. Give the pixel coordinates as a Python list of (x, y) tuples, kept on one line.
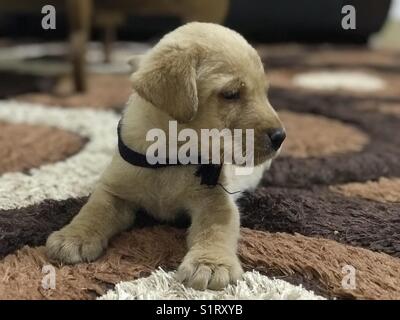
[(167, 78)]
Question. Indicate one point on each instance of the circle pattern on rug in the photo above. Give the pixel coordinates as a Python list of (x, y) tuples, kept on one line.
[(24, 146), (383, 190), (315, 136), (297, 208), (104, 92), (50, 181)]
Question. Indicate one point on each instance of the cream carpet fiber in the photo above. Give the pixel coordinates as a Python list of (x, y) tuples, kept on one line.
[(161, 285)]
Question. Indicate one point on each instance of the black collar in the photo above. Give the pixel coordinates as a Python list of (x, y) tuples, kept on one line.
[(209, 173)]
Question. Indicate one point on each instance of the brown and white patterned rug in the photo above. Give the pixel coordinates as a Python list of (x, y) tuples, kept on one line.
[(324, 223)]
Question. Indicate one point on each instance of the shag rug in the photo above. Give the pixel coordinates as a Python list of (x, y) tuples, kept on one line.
[(323, 224)]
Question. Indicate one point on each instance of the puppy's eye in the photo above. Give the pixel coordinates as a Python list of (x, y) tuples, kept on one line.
[(231, 95)]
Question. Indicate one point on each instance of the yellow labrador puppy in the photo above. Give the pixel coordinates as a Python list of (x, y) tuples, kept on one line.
[(203, 76)]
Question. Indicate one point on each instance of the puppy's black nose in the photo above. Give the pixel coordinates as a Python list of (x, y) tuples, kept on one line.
[(277, 136)]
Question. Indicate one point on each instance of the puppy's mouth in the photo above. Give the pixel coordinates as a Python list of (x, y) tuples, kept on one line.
[(257, 157), (269, 146), (261, 156), (265, 150)]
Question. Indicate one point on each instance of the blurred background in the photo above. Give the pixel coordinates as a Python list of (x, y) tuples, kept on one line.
[(97, 36)]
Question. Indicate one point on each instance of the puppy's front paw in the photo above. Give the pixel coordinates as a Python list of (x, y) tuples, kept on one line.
[(71, 246), (201, 271)]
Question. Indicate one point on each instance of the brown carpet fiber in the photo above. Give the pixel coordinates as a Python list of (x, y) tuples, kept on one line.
[(26, 146), (104, 91), (314, 262), (317, 136)]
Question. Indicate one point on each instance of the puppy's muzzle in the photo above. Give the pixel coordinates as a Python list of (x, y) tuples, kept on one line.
[(276, 138)]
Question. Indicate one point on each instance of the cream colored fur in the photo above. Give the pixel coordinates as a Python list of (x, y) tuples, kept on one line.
[(181, 78)]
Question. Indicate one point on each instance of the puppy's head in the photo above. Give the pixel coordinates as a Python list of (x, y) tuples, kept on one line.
[(208, 76)]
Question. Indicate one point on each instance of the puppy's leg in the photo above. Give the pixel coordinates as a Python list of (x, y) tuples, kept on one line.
[(211, 261), (86, 237)]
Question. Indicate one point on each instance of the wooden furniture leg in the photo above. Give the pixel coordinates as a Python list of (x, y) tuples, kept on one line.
[(79, 15), (108, 20), (109, 38)]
